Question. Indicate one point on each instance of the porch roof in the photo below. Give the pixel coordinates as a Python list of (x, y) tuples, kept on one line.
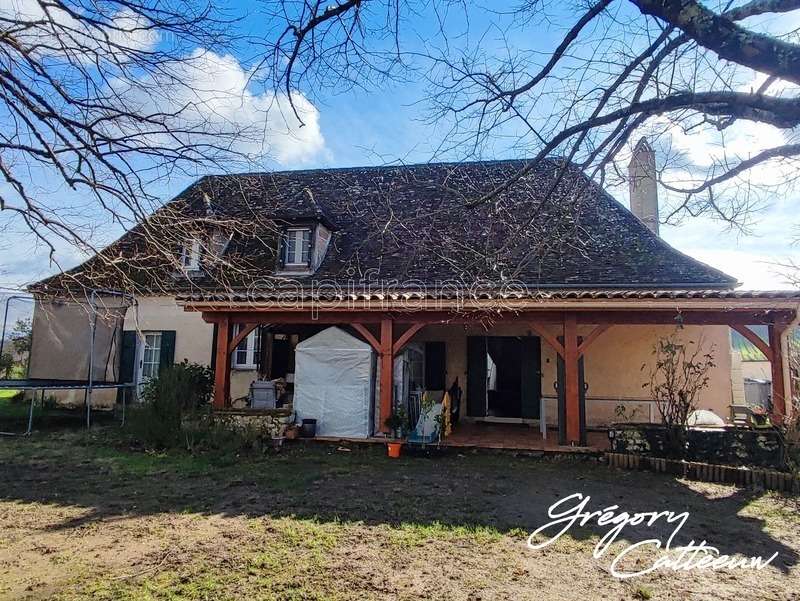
[(622, 306), (281, 296)]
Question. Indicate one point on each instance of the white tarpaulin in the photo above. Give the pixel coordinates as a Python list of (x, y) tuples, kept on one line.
[(333, 383)]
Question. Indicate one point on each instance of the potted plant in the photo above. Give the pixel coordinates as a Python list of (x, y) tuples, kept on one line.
[(292, 432), (395, 425)]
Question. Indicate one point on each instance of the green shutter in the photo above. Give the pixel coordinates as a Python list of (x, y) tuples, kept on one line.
[(127, 361), (214, 336), (531, 376), (476, 376), (167, 356)]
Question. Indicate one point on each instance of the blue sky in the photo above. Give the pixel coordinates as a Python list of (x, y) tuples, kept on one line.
[(387, 124)]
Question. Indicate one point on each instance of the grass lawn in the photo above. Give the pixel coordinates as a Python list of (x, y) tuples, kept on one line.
[(83, 518)]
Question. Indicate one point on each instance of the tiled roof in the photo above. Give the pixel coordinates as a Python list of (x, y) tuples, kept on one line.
[(553, 229), (331, 294)]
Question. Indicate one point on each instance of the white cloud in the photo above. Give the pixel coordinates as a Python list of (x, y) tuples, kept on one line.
[(209, 93), (56, 32), (754, 271)]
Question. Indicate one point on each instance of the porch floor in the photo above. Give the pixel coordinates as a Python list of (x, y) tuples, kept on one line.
[(518, 436), (483, 435)]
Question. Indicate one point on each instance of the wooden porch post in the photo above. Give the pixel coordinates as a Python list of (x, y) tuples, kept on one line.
[(387, 369), (222, 368), (571, 392), (778, 383)]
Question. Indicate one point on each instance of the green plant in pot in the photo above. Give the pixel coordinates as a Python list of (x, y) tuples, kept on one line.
[(395, 424)]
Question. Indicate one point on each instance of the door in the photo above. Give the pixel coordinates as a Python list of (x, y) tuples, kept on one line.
[(148, 358), (531, 393), (435, 365), (503, 377)]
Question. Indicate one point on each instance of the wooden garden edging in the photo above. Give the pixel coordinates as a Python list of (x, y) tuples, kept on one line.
[(708, 472)]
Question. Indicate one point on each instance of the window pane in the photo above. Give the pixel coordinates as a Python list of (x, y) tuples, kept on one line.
[(306, 245), (290, 247), (256, 346), (298, 245)]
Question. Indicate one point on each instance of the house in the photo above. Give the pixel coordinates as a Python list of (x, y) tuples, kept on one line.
[(543, 301)]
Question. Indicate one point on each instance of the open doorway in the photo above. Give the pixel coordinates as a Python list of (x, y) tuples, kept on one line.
[(503, 377)]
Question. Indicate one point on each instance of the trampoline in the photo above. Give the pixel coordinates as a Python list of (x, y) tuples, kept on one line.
[(38, 387)]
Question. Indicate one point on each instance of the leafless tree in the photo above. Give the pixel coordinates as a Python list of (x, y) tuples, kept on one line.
[(620, 69), (680, 373), (94, 102)]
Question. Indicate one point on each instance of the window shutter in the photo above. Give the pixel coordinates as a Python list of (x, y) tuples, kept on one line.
[(282, 249), (127, 361), (476, 376), (167, 357), (214, 336), (307, 244), (531, 376)]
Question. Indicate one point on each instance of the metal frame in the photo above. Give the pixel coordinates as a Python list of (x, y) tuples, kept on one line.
[(89, 385), (46, 385)]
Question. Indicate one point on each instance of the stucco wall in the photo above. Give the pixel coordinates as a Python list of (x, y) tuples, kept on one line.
[(613, 367), (61, 342), (613, 363), (193, 336), (757, 370)]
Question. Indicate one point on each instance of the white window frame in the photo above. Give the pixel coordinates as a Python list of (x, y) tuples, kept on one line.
[(148, 353), (249, 346), (190, 254), (296, 235)]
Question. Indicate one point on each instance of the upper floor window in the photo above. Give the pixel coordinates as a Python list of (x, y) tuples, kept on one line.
[(190, 254), (298, 246), (248, 354)]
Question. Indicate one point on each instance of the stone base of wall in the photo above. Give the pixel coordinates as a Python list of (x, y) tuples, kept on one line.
[(267, 423), (729, 446), (744, 477)]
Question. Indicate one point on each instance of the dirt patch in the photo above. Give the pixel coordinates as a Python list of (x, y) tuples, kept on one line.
[(80, 519)]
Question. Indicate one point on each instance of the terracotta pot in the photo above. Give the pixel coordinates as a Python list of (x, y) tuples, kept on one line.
[(394, 449), (292, 432)]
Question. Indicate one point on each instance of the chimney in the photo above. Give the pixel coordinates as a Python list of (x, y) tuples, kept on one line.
[(642, 183)]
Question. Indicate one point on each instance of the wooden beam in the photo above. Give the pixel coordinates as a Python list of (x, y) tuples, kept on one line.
[(571, 379), (222, 368), (593, 335), (362, 329), (406, 337), (756, 340), (387, 368), (244, 331), (588, 317), (548, 338), (779, 385)]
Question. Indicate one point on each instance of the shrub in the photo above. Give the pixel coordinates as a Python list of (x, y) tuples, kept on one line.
[(185, 386), (179, 389), (675, 382)]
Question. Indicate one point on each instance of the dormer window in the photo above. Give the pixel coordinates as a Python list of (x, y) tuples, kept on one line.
[(297, 250), (190, 255)]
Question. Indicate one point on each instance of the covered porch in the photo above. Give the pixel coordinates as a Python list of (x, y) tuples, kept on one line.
[(569, 333)]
